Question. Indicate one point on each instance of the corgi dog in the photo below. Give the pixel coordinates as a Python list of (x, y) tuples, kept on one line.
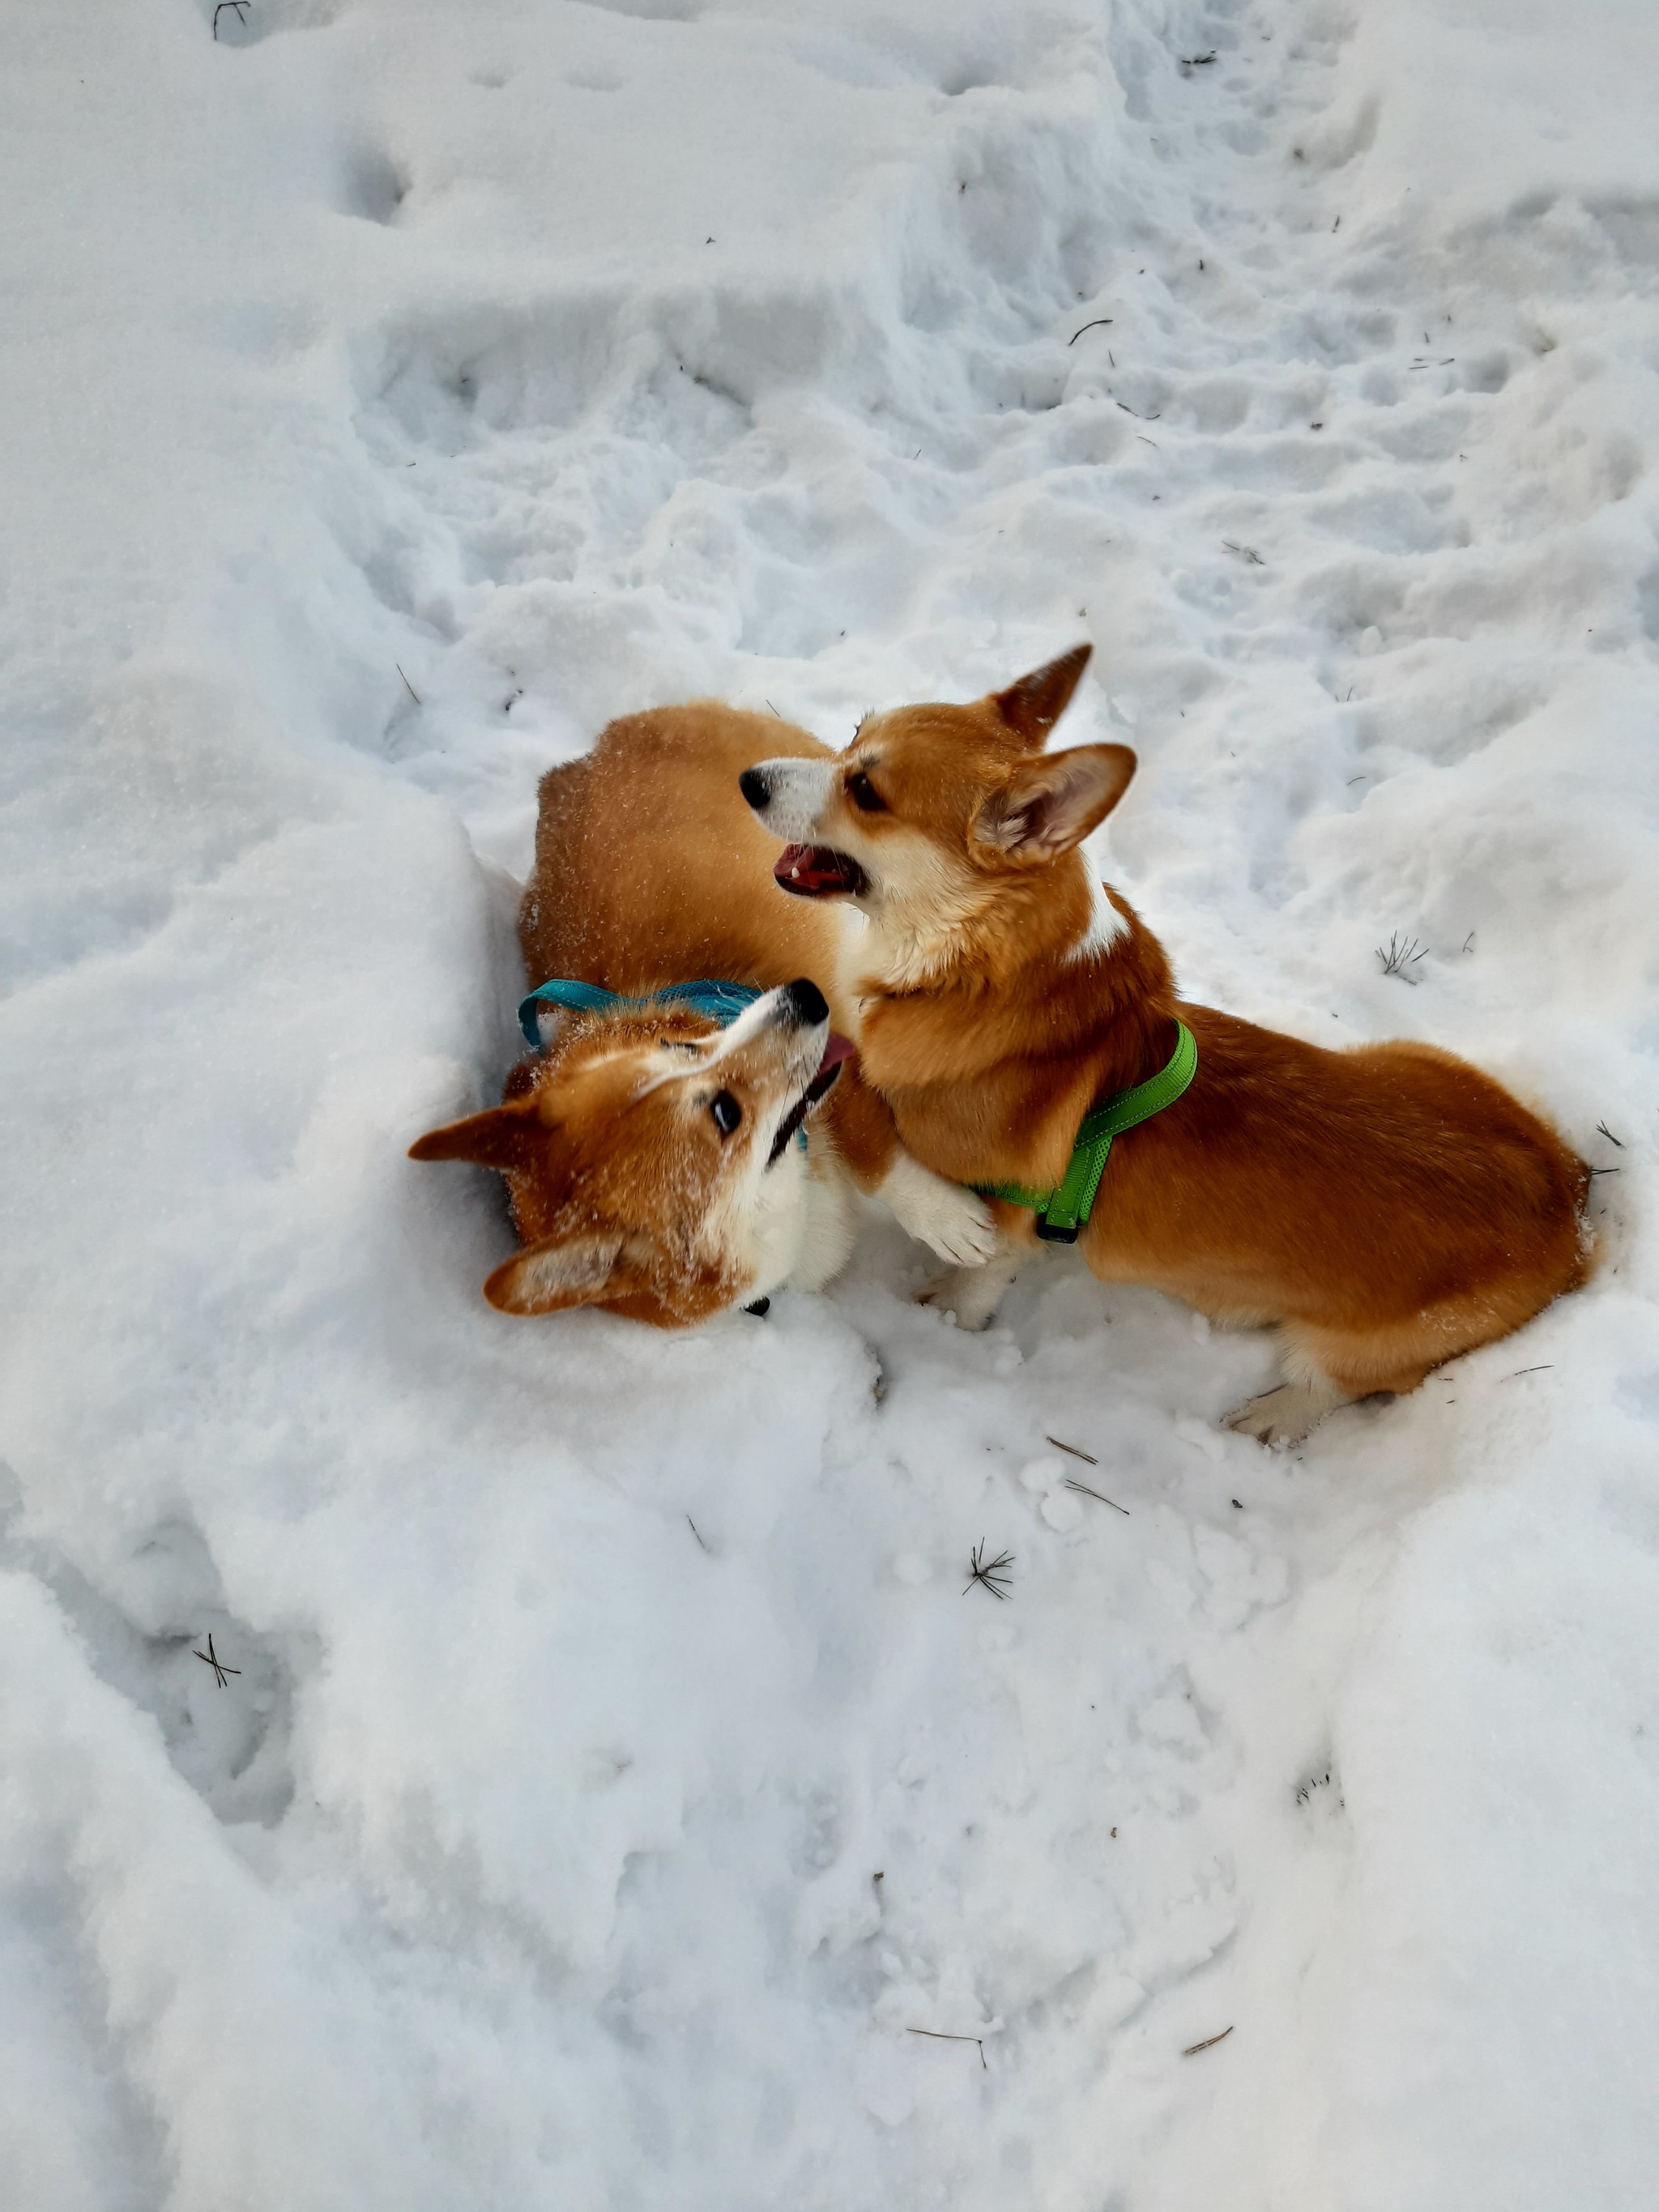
[(1385, 1207), (651, 1156)]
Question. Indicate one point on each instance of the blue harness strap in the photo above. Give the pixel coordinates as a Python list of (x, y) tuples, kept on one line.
[(722, 1002)]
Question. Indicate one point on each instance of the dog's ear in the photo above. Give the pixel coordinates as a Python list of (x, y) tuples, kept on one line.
[(1033, 706), (505, 1137), (562, 1272), (1048, 805)]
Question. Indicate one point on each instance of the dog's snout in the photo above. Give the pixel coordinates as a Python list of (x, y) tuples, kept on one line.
[(756, 789), (806, 1002)]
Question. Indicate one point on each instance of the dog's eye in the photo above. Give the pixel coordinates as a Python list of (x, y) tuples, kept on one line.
[(727, 1112), (864, 794)]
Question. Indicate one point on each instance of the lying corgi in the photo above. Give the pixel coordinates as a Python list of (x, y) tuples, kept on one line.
[(651, 1155), (1386, 1207)]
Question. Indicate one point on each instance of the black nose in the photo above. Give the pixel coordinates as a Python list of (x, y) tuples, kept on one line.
[(806, 1002), (755, 787)]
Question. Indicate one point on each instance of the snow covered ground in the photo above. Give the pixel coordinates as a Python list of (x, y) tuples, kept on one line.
[(618, 1781)]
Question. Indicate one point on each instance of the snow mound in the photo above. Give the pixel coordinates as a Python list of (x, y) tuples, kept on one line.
[(625, 1796)]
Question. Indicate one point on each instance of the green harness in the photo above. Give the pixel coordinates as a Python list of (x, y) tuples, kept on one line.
[(1062, 1212)]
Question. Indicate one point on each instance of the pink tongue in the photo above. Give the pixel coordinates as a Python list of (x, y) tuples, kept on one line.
[(838, 1049), (811, 870)]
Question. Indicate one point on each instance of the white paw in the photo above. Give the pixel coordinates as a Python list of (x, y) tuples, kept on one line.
[(1283, 1416), (957, 1223), (958, 1294), (971, 1295), (961, 1227)]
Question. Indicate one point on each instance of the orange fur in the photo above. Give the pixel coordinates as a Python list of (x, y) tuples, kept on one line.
[(650, 870), (613, 1176), (1388, 1206)]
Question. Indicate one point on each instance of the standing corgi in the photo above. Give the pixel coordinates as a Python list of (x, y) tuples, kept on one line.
[(1385, 1207), (651, 1155)]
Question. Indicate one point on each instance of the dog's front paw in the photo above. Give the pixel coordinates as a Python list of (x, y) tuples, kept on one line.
[(958, 1225), (961, 1227)]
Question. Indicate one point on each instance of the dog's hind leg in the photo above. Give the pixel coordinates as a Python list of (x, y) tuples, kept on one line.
[(1330, 1367), (1309, 1391), (1286, 1415)]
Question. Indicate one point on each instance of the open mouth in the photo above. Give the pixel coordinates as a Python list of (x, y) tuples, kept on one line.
[(837, 1052), (816, 872)]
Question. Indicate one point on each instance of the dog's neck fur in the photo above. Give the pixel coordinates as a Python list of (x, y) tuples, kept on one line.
[(917, 943), (1034, 1009)]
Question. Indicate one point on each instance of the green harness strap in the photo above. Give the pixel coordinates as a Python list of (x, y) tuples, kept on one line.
[(1062, 1212)]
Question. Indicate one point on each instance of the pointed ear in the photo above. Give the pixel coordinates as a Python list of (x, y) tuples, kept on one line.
[(561, 1272), (1050, 804), (505, 1137), (1033, 706)]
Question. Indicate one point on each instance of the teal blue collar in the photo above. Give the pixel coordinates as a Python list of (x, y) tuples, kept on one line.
[(722, 1002)]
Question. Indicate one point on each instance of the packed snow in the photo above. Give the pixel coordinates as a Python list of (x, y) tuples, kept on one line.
[(626, 1800)]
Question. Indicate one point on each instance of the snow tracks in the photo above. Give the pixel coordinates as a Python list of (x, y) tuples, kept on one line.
[(629, 1798)]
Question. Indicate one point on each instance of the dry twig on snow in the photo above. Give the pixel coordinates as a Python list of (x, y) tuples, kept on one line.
[(990, 1574), (1401, 954)]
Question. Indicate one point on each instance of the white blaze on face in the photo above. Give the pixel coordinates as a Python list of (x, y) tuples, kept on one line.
[(759, 1218), (798, 1048), (797, 790), (797, 1053), (788, 1218)]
